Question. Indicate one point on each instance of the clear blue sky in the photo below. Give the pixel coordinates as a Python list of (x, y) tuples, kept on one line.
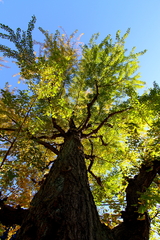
[(91, 16)]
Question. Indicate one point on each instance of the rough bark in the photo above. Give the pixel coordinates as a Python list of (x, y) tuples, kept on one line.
[(63, 208), (136, 226)]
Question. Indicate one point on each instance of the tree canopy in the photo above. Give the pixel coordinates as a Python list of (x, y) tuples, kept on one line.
[(95, 87)]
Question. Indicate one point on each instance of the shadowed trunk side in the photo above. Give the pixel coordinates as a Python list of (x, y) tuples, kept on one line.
[(63, 208), (136, 226)]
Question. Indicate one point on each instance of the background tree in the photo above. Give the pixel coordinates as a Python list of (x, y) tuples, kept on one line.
[(80, 115)]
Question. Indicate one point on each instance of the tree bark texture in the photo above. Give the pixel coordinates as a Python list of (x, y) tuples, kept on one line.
[(63, 208), (136, 226)]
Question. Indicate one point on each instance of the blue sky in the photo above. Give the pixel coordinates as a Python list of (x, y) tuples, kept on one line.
[(91, 16)]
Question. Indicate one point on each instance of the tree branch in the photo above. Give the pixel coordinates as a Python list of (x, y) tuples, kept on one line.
[(89, 106), (98, 179), (140, 183), (54, 136), (10, 215), (103, 143), (8, 129), (37, 139), (103, 122), (46, 145), (55, 125), (132, 225)]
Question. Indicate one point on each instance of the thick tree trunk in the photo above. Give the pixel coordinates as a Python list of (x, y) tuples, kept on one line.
[(63, 208)]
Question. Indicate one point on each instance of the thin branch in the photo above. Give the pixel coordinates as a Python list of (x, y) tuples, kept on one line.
[(7, 153), (98, 179), (96, 136), (92, 157), (14, 140), (89, 106), (47, 166), (12, 119), (46, 145), (54, 136), (105, 160), (112, 84), (103, 122), (38, 140), (90, 165), (91, 143), (55, 125), (89, 156), (103, 143), (8, 129), (5, 139), (156, 215)]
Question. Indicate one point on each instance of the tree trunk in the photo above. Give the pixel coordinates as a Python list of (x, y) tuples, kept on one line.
[(63, 208), (136, 226)]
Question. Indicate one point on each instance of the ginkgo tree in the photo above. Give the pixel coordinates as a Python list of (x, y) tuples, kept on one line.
[(77, 137)]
